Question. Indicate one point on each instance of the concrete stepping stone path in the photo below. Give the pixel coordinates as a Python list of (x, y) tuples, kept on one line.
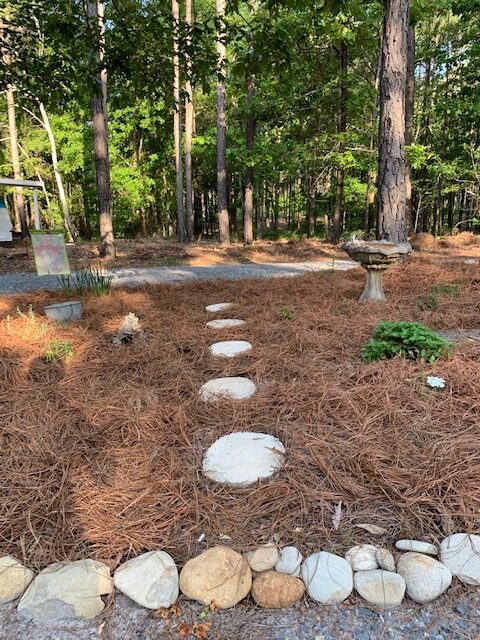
[(236, 388), (242, 458), (230, 348), (221, 306), (225, 323)]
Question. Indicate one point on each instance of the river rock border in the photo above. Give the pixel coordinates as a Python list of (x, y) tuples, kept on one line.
[(274, 577)]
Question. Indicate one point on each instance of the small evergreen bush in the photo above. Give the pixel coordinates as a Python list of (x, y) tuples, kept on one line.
[(410, 340)]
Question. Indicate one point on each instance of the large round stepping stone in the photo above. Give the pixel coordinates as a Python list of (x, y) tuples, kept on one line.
[(221, 306), (225, 323), (230, 348), (242, 458), (235, 387)]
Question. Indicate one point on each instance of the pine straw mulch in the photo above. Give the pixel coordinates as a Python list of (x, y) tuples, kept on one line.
[(101, 455)]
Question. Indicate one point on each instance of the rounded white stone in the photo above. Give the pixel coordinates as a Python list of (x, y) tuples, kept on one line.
[(289, 561), (362, 557), (225, 323), (243, 458), (418, 546), (14, 579), (385, 559), (236, 388), (328, 577), (150, 580), (230, 348), (461, 554), (426, 578), (221, 306), (381, 588)]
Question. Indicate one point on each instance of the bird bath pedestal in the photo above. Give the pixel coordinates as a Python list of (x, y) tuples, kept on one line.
[(375, 257)]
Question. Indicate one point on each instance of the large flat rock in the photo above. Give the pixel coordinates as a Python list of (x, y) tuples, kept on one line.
[(235, 388), (230, 348), (225, 323)]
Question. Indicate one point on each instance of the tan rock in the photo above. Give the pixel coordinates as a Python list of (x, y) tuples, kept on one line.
[(263, 559), (273, 590), (14, 579), (219, 574), (385, 559)]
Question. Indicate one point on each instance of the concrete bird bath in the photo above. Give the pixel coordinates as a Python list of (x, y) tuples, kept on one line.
[(375, 256)]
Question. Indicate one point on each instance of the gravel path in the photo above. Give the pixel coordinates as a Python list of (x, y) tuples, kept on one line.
[(451, 617), (23, 282)]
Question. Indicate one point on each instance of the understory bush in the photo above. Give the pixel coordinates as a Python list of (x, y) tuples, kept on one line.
[(410, 340)]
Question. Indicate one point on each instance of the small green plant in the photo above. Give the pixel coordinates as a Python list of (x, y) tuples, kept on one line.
[(57, 350), (94, 279), (287, 313), (430, 301), (410, 340)]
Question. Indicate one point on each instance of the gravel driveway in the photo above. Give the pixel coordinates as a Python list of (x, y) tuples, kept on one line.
[(23, 282)]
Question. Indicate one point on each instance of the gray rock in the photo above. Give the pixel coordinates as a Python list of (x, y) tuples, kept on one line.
[(289, 561), (150, 580), (220, 306), (230, 348), (14, 579), (461, 554), (426, 578), (381, 588), (385, 559), (235, 388), (417, 546), (328, 577), (362, 557), (225, 323), (65, 590)]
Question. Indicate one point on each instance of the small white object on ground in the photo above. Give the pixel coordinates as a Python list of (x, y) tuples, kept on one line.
[(289, 561), (461, 554), (362, 557), (221, 306), (435, 382), (150, 580), (14, 579), (235, 388), (225, 323), (385, 559), (328, 577), (425, 577), (66, 590), (381, 588), (416, 545), (263, 559), (241, 459), (230, 348)]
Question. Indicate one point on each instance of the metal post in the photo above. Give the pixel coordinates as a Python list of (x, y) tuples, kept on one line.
[(36, 210)]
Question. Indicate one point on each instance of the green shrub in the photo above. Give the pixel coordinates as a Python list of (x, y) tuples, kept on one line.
[(287, 313), (93, 279), (410, 340), (57, 349)]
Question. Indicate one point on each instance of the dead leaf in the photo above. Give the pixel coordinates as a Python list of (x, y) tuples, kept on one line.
[(213, 606), (200, 630), (175, 609), (185, 630), (101, 628), (337, 515), (162, 613), (374, 529)]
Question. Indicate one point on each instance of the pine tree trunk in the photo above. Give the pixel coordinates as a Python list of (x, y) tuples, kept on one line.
[(223, 222), (409, 106), (177, 124), (20, 215), (248, 175), (339, 206), (392, 224), (189, 204), (100, 137)]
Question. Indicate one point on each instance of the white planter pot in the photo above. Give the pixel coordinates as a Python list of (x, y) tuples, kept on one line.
[(64, 311)]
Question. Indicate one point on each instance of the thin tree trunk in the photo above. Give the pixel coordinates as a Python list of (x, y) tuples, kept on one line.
[(311, 192), (96, 10), (189, 205), (391, 163), (20, 216), (248, 175), (409, 106), (58, 177), (223, 222), (339, 206), (177, 123)]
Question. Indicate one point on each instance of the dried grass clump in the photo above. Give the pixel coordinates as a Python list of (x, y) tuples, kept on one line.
[(101, 455), (462, 239), (423, 241)]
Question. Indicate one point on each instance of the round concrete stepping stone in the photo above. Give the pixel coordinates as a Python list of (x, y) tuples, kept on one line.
[(230, 348), (225, 323), (221, 306), (241, 459), (235, 387)]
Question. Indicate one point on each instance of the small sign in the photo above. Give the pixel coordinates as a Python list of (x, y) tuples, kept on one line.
[(50, 253)]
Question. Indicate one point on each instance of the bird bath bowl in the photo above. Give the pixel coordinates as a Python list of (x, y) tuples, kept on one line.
[(375, 257)]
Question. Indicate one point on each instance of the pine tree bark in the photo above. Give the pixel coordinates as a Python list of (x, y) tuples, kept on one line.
[(177, 123), (20, 215), (223, 221), (339, 206), (392, 225), (248, 174), (189, 204), (409, 106), (96, 11)]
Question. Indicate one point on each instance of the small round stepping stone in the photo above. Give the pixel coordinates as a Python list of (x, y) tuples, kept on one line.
[(241, 459), (237, 388), (221, 306), (225, 323), (230, 348)]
